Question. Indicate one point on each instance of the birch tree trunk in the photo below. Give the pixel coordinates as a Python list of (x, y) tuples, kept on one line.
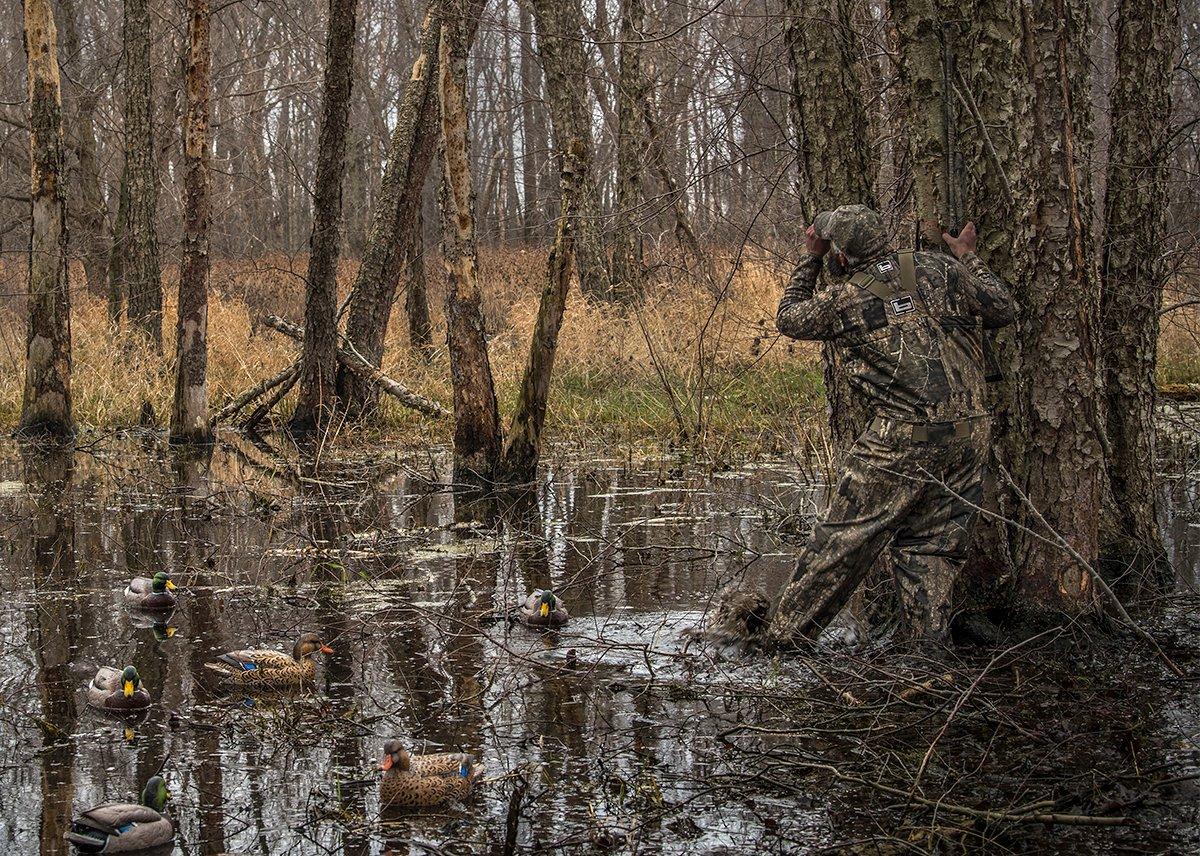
[(189, 415), (834, 158), (1133, 269), (139, 241), (559, 26), (319, 358), (46, 408), (631, 154), (477, 430)]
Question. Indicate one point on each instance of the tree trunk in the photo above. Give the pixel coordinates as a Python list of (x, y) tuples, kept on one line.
[(319, 358), (927, 41), (46, 408), (116, 253), (631, 154), (189, 415), (476, 417), (142, 277), (835, 162), (533, 131), (1058, 458), (1135, 223), (524, 443), (560, 45), (93, 213), (416, 297)]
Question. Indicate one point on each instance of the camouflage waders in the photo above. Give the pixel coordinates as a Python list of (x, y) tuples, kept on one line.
[(914, 497)]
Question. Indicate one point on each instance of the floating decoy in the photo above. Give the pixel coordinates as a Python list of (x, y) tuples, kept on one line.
[(272, 669), (118, 691), (425, 780), (125, 827), (151, 593), (544, 608)]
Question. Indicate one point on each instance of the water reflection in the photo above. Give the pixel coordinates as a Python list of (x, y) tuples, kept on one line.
[(412, 590)]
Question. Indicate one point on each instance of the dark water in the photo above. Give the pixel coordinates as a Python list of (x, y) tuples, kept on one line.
[(601, 737)]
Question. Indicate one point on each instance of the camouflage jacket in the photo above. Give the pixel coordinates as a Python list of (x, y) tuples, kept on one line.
[(921, 364)]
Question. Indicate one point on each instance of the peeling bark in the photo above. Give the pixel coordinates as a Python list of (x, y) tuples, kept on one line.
[(477, 433), (1056, 444), (46, 408)]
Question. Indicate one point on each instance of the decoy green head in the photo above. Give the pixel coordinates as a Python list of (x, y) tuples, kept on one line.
[(546, 603), (155, 794), (162, 582), (130, 680)]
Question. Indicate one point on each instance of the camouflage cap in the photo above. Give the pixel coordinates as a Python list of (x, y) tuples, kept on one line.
[(856, 230)]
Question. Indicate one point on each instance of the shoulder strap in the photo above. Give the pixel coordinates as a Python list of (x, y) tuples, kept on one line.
[(882, 290), (908, 272)]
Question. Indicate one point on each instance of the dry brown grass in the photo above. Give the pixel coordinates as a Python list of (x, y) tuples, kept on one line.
[(611, 375)]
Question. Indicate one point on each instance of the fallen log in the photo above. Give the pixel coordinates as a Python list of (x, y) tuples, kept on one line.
[(257, 391), (355, 363), (274, 398)]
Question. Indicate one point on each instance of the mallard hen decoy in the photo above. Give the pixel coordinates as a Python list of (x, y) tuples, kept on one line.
[(544, 609), (151, 593), (118, 691), (125, 827), (425, 780), (272, 669)]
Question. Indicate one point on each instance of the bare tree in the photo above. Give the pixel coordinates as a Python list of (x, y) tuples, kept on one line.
[(138, 246), (189, 415), (631, 151), (319, 361), (477, 432), (46, 408), (564, 64)]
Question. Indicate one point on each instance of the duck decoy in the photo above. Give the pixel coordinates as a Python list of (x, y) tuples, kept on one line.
[(425, 780), (118, 691), (272, 669), (125, 827), (544, 608), (151, 593)]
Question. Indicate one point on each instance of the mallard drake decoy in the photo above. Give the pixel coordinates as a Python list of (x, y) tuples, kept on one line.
[(125, 827), (544, 609), (151, 593), (118, 691), (272, 669), (425, 780)]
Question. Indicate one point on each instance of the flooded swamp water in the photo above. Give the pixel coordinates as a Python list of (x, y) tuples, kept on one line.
[(611, 735)]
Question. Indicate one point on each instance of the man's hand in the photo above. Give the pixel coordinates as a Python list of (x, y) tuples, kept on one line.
[(815, 244), (964, 243)]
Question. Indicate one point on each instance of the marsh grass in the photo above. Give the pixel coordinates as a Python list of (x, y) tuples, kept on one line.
[(671, 371)]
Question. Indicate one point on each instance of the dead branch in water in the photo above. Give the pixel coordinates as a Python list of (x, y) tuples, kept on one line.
[(355, 363)]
